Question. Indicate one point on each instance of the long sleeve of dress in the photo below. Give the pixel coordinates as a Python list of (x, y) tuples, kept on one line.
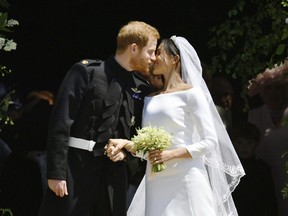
[(203, 122)]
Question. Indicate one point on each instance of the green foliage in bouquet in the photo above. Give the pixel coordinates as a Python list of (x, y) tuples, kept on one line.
[(152, 138)]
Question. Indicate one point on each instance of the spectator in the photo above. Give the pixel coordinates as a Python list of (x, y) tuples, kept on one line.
[(255, 193)]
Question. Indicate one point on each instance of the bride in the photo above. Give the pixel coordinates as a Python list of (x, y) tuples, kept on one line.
[(202, 166)]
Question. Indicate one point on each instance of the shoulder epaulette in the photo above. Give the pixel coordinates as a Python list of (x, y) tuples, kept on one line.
[(91, 62)]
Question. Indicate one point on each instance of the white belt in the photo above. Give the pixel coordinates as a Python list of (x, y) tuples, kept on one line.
[(81, 143)]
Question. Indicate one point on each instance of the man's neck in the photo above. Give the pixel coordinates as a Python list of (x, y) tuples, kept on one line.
[(123, 60)]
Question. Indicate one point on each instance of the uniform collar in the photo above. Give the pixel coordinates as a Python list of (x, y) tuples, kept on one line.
[(120, 73), (130, 79)]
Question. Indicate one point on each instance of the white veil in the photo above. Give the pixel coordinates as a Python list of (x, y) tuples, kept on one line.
[(223, 165)]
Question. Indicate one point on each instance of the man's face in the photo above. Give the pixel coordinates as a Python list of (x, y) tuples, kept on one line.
[(143, 60)]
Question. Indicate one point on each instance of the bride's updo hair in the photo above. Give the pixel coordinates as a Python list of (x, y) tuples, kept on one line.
[(170, 47)]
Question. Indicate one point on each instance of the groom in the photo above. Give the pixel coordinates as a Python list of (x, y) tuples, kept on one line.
[(97, 101)]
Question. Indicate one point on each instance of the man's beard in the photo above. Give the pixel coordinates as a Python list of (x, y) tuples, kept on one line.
[(140, 65)]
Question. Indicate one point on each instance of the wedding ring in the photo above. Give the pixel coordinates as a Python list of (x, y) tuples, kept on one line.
[(105, 153), (155, 159)]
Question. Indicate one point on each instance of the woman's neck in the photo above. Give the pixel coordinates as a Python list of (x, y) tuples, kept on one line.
[(172, 82)]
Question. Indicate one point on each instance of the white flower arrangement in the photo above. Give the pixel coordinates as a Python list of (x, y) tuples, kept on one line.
[(6, 45), (5, 25), (277, 75), (152, 138)]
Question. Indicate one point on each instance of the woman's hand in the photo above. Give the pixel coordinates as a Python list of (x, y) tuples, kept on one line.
[(159, 156)]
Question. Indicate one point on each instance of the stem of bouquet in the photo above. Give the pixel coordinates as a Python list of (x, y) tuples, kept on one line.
[(158, 167)]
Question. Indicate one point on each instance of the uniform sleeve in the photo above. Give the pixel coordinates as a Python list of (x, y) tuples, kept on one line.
[(203, 123), (67, 104)]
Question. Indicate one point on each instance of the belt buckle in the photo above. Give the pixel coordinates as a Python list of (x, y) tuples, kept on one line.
[(91, 145)]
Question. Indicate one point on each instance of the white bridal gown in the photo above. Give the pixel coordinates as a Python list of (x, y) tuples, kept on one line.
[(183, 188)]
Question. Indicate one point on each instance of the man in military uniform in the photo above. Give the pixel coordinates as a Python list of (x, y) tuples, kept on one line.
[(96, 101)]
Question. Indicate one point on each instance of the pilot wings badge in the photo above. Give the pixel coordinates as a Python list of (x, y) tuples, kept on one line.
[(136, 93)]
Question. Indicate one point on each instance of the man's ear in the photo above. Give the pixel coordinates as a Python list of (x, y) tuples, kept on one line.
[(133, 48)]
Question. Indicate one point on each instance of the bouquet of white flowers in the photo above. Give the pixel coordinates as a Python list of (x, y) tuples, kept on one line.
[(152, 138)]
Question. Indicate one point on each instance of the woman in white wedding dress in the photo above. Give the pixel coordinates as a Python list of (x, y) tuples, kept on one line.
[(202, 166)]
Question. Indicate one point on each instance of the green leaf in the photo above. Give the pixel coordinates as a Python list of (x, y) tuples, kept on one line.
[(280, 49), (4, 105), (3, 20), (6, 29), (232, 13), (285, 34)]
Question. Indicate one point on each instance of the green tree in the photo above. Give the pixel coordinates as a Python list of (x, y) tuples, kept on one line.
[(252, 38), (6, 45)]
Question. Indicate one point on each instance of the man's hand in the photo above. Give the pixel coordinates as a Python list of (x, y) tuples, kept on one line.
[(114, 151), (117, 157), (59, 187)]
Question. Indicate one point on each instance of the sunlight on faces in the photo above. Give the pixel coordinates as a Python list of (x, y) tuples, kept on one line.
[(163, 61), (140, 63), (145, 57)]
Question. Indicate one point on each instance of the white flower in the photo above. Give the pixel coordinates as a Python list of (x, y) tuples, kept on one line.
[(10, 45), (2, 42), (12, 22)]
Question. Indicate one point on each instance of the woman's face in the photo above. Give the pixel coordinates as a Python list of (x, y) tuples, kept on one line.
[(163, 63)]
